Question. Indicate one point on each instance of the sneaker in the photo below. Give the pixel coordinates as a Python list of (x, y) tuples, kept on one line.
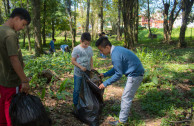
[(116, 123)]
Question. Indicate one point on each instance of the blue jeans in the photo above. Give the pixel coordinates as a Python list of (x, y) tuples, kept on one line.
[(129, 92), (77, 86)]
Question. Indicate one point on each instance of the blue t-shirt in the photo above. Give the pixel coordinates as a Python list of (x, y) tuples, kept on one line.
[(124, 62), (52, 44)]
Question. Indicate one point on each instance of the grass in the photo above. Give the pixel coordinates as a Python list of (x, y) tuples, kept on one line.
[(167, 69)]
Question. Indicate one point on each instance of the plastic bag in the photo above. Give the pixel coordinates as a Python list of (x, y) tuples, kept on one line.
[(27, 110), (90, 100)]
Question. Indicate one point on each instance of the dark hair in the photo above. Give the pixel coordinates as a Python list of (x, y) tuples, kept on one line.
[(86, 36), (102, 33), (54, 39), (22, 13), (103, 42)]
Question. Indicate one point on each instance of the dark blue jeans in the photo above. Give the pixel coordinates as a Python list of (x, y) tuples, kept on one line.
[(77, 86)]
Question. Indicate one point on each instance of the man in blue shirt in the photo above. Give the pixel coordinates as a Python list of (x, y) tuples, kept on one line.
[(52, 46), (64, 48), (124, 62)]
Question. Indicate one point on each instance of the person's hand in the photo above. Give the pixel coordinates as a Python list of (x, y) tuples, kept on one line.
[(25, 87), (83, 69), (101, 75), (102, 86)]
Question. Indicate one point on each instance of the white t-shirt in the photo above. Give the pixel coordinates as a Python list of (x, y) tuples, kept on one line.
[(83, 57)]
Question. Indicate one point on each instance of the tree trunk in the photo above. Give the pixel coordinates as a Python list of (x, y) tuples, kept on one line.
[(150, 32), (4, 3), (129, 22), (119, 21), (37, 26), (8, 7), (28, 31), (186, 8), (44, 24), (92, 23), (136, 22), (82, 16), (75, 23), (168, 22), (24, 39), (28, 36), (165, 25), (65, 35), (88, 14), (53, 29), (101, 16), (1, 18), (68, 10)]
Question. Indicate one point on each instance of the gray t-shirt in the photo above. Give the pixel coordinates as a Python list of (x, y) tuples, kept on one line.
[(83, 57)]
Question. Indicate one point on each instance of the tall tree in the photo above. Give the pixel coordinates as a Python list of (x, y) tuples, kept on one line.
[(101, 16), (88, 14), (28, 30), (148, 16), (7, 7), (136, 15), (1, 17), (119, 21), (68, 4), (37, 26), (186, 10), (75, 22), (169, 20), (44, 22), (129, 22)]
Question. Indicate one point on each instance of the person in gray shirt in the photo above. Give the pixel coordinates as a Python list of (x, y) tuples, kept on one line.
[(82, 61)]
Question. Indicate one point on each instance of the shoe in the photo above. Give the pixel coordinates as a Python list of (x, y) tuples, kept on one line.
[(115, 123)]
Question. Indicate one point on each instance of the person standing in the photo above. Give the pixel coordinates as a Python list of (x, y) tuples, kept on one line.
[(82, 61), (124, 62), (12, 76)]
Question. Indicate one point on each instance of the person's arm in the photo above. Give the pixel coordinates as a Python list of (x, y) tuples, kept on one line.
[(20, 72), (117, 75), (73, 60), (91, 63), (109, 73)]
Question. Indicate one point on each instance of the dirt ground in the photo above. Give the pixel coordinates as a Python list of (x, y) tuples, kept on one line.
[(61, 110)]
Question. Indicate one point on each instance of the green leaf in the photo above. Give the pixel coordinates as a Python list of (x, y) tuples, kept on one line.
[(155, 80)]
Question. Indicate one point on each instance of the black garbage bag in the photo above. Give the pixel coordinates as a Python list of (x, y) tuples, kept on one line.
[(90, 99), (28, 110)]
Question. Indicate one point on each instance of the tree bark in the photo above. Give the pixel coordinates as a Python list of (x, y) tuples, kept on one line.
[(75, 22), (186, 8), (168, 22), (68, 11), (44, 24), (1, 18), (24, 39), (165, 25), (101, 15), (28, 31), (37, 26), (136, 22), (53, 29), (28, 36), (129, 22), (8, 7), (119, 21), (88, 14), (150, 32)]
